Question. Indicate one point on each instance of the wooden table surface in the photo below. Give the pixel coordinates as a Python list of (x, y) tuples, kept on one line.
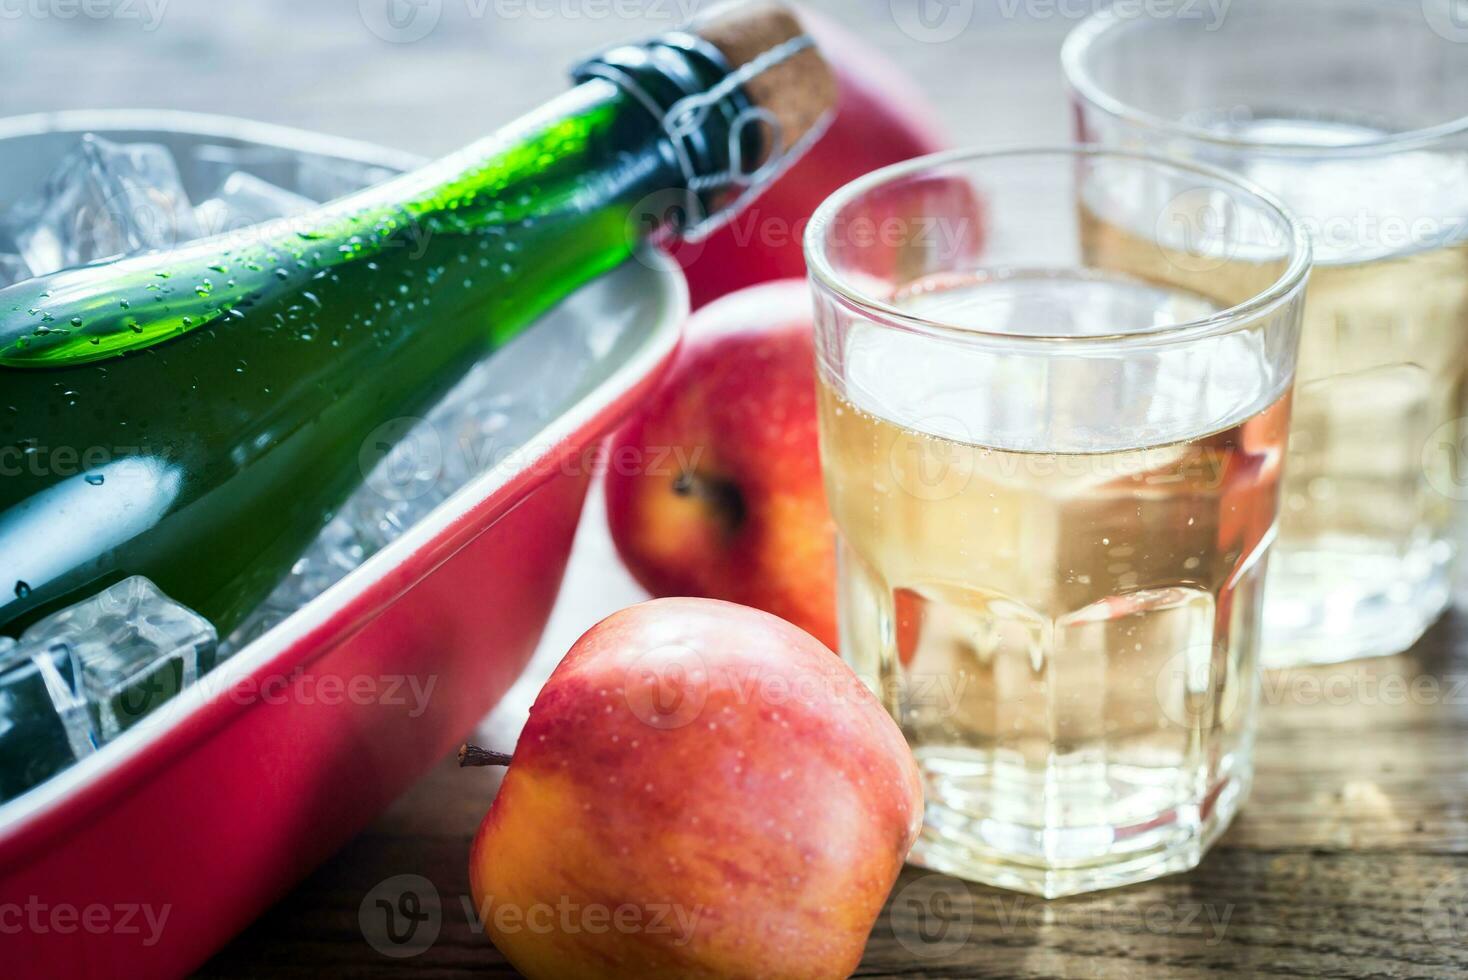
[(1351, 859)]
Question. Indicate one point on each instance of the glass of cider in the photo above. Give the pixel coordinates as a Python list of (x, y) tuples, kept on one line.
[(1352, 112), (1054, 396)]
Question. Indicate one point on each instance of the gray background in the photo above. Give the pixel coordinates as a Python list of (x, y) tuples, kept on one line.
[(989, 65)]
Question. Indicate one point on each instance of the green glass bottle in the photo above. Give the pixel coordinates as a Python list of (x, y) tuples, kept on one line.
[(214, 397)]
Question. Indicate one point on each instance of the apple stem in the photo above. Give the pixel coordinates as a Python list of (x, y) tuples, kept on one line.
[(473, 755), (722, 495)]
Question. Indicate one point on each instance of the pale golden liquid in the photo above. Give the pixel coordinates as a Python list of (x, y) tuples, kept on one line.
[(1361, 565), (1027, 611), (1383, 355), (1051, 566)]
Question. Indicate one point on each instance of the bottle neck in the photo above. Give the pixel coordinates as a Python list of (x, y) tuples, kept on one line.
[(607, 145), (708, 138)]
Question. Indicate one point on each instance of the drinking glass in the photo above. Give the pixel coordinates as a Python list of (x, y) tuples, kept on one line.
[(1349, 110), (1054, 391)]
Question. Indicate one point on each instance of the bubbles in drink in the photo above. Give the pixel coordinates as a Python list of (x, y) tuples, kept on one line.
[(1057, 591)]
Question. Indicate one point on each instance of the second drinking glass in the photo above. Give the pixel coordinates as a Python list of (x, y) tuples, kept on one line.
[(1055, 391), (1352, 112)]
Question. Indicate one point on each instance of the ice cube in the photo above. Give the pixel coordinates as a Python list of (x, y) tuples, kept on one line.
[(312, 176), (261, 621), (130, 648), (336, 551), (315, 177), (243, 200), (58, 673), (12, 269), (105, 199), (38, 738), (417, 464), (487, 417), (211, 165), (326, 179)]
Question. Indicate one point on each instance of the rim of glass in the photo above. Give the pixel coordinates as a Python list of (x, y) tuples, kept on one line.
[(1286, 285), (1081, 41)]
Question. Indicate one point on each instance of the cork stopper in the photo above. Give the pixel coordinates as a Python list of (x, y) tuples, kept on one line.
[(799, 91)]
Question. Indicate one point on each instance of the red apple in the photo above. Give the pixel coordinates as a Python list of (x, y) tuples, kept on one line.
[(714, 486), (881, 118), (702, 791)]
